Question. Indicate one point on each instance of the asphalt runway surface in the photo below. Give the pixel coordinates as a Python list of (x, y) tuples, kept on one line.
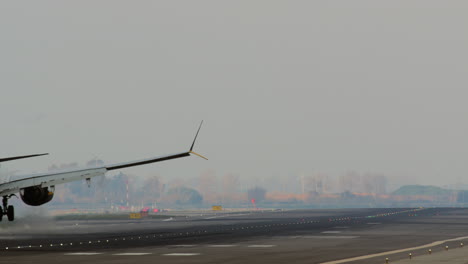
[(294, 236)]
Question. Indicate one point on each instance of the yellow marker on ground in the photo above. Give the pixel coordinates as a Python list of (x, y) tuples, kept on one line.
[(135, 215), (217, 208)]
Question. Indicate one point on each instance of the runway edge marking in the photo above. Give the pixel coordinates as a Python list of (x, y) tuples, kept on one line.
[(436, 243)]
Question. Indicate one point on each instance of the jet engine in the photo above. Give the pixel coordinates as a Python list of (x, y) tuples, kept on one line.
[(37, 195)]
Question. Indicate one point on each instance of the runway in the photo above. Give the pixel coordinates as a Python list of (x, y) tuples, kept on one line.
[(280, 236)]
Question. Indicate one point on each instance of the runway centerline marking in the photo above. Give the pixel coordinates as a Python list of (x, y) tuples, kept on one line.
[(325, 237), (436, 243), (261, 246), (181, 254), (331, 232), (336, 237), (132, 254), (82, 254)]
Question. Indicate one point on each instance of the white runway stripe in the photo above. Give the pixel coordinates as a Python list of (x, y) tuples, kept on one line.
[(213, 217), (131, 254), (326, 237), (261, 246), (331, 232), (82, 254), (181, 254)]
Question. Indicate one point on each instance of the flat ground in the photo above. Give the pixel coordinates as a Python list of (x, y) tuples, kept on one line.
[(290, 236)]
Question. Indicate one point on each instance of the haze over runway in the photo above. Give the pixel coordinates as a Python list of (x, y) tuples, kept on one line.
[(288, 90), (284, 87), (300, 236)]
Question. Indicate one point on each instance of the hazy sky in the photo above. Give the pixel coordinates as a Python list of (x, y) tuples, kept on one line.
[(283, 86)]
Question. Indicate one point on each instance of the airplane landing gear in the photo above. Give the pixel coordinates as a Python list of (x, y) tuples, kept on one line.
[(7, 210)]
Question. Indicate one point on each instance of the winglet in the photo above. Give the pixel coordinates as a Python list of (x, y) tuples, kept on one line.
[(22, 157), (193, 144), (198, 155), (196, 135)]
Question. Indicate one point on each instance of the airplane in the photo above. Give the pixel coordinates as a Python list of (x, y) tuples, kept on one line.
[(38, 189)]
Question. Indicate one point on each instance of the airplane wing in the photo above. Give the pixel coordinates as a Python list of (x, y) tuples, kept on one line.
[(54, 178), (22, 157)]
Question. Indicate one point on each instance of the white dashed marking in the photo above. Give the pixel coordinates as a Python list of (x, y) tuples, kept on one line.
[(374, 223), (181, 254), (331, 232), (261, 246), (82, 254), (184, 245), (131, 254), (327, 237)]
